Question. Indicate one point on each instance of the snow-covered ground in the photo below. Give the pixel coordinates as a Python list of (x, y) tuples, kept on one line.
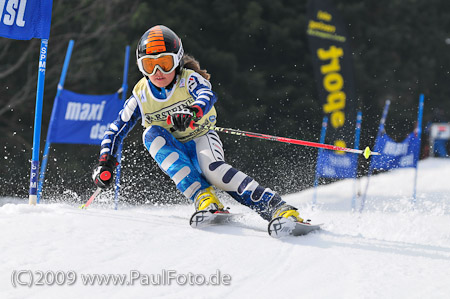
[(393, 249)]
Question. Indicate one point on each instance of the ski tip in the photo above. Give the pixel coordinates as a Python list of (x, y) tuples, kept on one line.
[(83, 207), (199, 218), (280, 227)]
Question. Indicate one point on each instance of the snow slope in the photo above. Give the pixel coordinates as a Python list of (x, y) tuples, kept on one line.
[(393, 249)]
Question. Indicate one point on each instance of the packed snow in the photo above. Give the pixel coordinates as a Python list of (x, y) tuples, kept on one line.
[(394, 248)]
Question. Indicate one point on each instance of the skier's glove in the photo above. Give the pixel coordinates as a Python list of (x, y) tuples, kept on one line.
[(104, 173), (185, 118)]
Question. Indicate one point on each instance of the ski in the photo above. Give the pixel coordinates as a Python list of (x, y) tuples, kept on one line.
[(281, 227), (205, 218)]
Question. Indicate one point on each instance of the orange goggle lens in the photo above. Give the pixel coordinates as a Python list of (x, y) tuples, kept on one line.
[(166, 63)]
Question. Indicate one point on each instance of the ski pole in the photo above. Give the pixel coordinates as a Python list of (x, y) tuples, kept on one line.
[(93, 196), (366, 152)]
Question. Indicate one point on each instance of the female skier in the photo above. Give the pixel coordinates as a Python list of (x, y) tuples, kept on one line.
[(173, 95)]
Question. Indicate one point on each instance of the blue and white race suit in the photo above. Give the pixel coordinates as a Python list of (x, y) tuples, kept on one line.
[(193, 159)]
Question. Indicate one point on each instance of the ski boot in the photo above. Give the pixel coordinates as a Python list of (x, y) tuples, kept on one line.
[(287, 222), (288, 212), (207, 200)]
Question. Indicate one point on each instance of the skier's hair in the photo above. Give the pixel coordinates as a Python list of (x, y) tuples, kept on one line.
[(189, 62)]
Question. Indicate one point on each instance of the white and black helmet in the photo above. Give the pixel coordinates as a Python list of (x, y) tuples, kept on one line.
[(159, 41)]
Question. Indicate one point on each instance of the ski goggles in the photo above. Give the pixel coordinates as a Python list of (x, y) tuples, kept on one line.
[(165, 62)]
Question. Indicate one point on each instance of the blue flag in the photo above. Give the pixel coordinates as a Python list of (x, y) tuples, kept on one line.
[(339, 166), (82, 119), (25, 19), (396, 154)]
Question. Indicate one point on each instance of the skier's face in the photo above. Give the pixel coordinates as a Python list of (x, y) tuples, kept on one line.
[(162, 80)]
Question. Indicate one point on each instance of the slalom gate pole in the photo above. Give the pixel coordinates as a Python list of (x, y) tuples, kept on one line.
[(125, 73), (419, 133), (32, 199), (62, 79), (380, 131), (356, 144), (118, 175), (323, 132), (366, 152), (119, 155)]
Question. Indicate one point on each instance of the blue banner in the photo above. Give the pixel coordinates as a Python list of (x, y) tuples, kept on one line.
[(338, 165), (396, 154), (82, 119), (331, 164), (25, 19)]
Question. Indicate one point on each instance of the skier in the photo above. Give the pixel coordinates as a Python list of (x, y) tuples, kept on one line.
[(173, 95)]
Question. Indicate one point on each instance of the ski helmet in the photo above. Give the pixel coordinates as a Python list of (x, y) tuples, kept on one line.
[(156, 44)]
